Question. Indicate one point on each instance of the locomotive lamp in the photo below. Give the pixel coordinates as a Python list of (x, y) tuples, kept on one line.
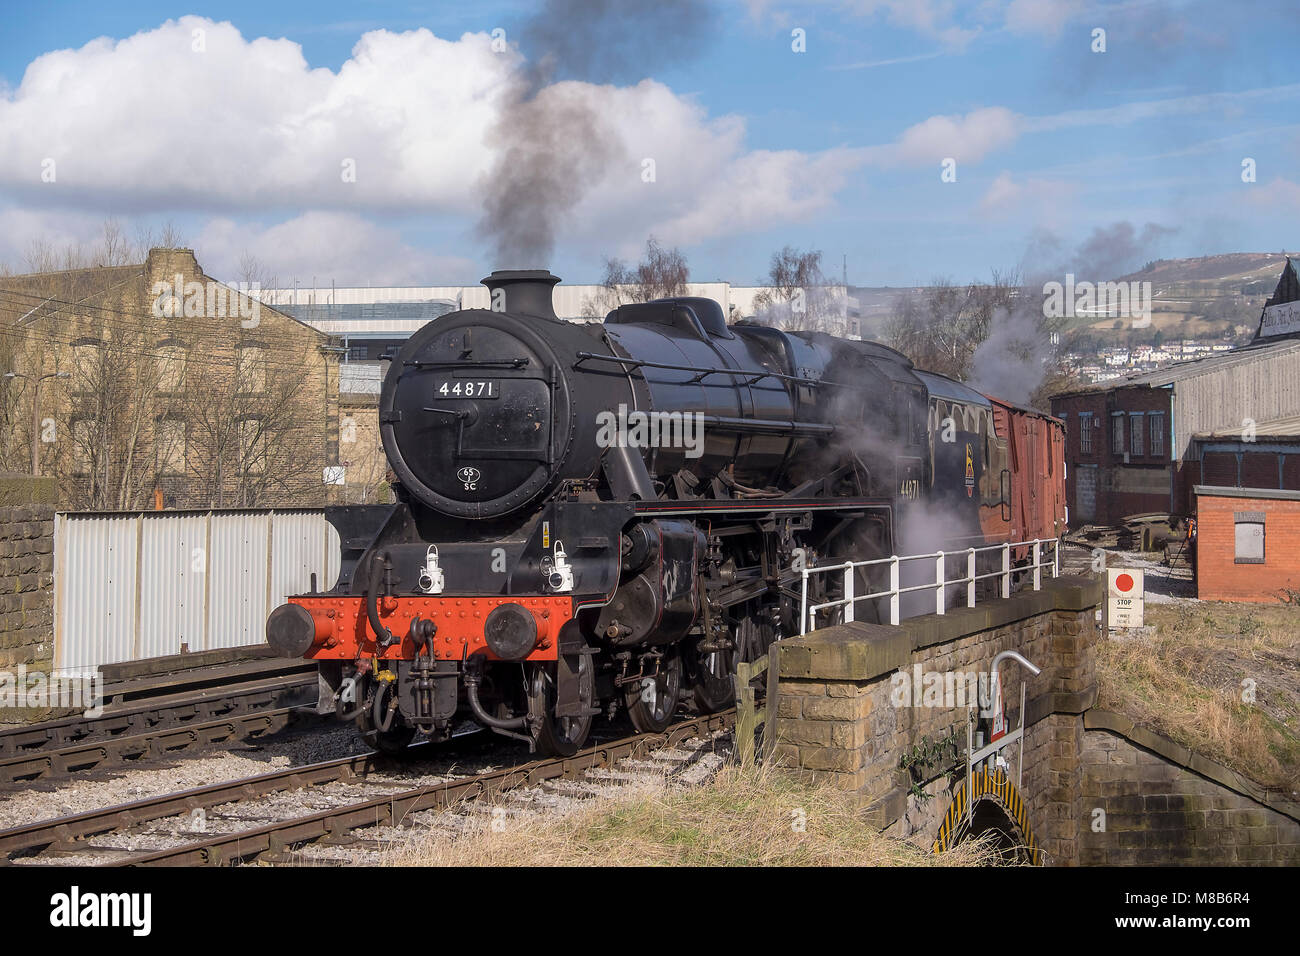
[(561, 576), (432, 580)]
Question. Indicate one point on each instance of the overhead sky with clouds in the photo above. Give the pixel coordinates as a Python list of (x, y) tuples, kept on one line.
[(242, 123)]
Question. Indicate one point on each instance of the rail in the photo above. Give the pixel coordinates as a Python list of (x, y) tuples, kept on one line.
[(940, 584)]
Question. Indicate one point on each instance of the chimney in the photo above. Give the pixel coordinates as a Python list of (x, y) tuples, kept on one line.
[(522, 290)]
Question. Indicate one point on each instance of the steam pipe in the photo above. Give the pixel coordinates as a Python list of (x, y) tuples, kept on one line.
[(480, 714), (382, 634)]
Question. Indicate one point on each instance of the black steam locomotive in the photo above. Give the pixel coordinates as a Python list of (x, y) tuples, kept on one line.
[(592, 517)]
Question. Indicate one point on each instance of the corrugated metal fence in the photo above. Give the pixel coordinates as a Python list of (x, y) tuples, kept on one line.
[(129, 586)]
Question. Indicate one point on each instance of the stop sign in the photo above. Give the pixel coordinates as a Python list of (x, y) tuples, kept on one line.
[(1125, 582)]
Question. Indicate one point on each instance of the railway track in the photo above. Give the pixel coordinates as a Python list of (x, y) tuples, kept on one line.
[(272, 841), (153, 714)]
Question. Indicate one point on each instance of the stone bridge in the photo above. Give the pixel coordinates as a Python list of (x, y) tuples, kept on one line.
[(882, 711)]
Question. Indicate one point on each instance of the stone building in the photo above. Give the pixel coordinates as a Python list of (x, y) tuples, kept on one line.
[(154, 384), (365, 477)]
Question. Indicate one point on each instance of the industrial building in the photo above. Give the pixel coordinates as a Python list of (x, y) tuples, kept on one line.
[(1140, 444), (371, 318)]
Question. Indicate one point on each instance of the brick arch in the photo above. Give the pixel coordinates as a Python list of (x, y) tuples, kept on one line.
[(997, 806)]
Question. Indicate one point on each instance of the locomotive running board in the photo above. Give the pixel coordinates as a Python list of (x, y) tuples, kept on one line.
[(760, 505)]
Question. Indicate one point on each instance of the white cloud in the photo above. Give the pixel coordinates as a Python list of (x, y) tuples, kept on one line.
[(936, 18), (966, 138), (1278, 195), (1043, 202), (248, 127), (247, 131), (324, 246), (1045, 18)]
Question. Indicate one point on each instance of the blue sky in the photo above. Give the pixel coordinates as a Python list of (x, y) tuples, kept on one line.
[(838, 148)]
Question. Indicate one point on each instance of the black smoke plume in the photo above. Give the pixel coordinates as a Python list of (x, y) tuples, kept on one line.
[(551, 143)]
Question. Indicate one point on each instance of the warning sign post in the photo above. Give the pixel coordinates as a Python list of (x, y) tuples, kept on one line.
[(1125, 588)]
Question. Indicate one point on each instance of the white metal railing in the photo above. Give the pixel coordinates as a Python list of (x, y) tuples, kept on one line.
[(940, 584)]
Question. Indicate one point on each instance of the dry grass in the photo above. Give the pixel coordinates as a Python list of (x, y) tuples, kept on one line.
[(737, 818), (1186, 682)]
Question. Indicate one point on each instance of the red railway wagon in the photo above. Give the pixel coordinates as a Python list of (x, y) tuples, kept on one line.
[(1034, 475)]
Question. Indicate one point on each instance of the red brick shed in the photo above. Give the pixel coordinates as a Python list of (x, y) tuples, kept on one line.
[(1247, 543)]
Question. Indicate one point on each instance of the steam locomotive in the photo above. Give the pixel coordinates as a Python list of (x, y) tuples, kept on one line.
[(611, 516)]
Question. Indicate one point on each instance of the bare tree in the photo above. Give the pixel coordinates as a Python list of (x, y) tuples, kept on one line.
[(799, 296), (939, 326), (148, 400), (170, 236), (661, 274)]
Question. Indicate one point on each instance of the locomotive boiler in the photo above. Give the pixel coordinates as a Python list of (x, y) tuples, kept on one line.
[(608, 517)]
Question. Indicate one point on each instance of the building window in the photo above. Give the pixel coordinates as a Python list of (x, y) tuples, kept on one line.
[(1158, 433), (1135, 432), (1117, 433), (1085, 433), (1250, 537), (171, 367), (85, 365), (170, 439), (84, 434), (252, 447), (252, 368)]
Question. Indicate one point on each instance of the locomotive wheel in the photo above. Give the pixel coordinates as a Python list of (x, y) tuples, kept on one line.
[(651, 702), (715, 677), (560, 736)]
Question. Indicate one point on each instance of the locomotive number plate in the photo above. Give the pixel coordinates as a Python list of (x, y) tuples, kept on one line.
[(485, 389)]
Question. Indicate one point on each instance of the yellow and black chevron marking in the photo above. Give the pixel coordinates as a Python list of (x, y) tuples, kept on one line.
[(986, 785)]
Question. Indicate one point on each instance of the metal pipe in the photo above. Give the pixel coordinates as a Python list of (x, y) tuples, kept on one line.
[(383, 635), (1018, 658), (481, 715)]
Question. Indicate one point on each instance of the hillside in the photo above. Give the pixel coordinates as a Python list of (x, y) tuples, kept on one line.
[(1205, 297)]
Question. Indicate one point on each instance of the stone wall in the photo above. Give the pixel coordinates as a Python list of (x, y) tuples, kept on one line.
[(1146, 805), (840, 714), (841, 718), (26, 572)]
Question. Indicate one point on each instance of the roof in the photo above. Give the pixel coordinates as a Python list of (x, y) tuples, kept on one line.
[(1223, 491), (1022, 409), (1161, 377), (942, 386), (402, 318), (1288, 427)]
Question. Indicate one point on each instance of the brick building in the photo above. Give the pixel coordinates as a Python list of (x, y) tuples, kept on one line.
[(1247, 544), (1135, 445), (153, 382)]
